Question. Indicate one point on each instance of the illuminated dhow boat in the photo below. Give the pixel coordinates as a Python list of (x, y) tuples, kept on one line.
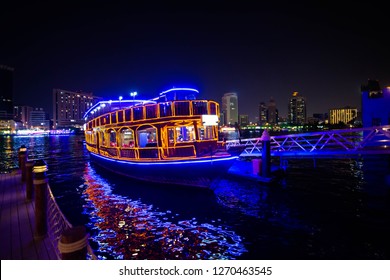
[(172, 138)]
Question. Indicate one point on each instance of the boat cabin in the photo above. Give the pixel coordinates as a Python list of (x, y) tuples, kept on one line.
[(161, 129)]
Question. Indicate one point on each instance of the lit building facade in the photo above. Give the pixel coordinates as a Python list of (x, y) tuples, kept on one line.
[(6, 92), (221, 119), (262, 114), (69, 107), (22, 114), (345, 115), (230, 108), (8, 127), (38, 119), (375, 104), (272, 112), (297, 109), (244, 120)]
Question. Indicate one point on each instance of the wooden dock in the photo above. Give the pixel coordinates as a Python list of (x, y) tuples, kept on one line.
[(17, 223)]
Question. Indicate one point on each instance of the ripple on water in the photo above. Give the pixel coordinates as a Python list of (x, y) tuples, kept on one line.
[(129, 229)]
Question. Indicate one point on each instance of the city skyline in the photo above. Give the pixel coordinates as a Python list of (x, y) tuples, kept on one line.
[(325, 53)]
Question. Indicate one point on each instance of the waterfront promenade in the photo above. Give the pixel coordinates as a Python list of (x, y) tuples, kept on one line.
[(17, 223)]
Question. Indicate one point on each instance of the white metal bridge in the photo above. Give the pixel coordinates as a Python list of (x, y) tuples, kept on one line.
[(330, 143)]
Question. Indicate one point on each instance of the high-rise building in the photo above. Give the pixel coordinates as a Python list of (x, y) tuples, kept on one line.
[(221, 118), (342, 115), (69, 107), (375, 104), (262, 114), (272, 112), (230, 108), (244, 120), (38, 119), (6, 92), (23, 114), (297, 109)]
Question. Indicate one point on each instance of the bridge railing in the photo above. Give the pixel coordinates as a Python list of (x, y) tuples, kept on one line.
[(57, 223), (345, 141)]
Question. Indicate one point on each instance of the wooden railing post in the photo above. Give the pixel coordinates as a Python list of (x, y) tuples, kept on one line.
[(40, 186), (73, 243)]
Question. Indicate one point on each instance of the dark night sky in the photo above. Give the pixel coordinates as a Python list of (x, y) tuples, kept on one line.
[(323, 51)]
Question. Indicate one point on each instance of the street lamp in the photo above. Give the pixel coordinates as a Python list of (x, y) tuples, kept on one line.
[(120, 99), (133, 94)]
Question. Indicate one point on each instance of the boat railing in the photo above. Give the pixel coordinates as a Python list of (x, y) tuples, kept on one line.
[(57, 223), (147, 152), (181, 151), (128, 153), (111, 151)]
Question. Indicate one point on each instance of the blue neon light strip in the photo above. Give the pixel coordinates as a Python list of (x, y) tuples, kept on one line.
[(118, 102), (174, 89), (167, 163)]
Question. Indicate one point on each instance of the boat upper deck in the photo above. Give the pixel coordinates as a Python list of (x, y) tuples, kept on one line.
[(116, 113), (169, 103)]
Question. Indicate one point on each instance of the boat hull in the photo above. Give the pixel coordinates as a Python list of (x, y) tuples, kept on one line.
[(195, 172)]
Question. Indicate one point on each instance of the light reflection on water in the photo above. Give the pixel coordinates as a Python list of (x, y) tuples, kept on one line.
[(130, 229)]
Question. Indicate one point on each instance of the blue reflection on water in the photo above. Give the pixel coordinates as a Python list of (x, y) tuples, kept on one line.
[(124, 228)]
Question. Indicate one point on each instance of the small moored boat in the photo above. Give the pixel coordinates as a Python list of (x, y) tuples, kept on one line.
[(171, 139)]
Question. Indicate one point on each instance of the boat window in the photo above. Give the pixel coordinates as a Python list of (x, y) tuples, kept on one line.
[(206, 132), (171, 135), (185, 133), (182, 108), (199, 107), (105, 119), (165, 109), (127, 138), (147, 137), (213, 109), (112, 135), (102, 139), (93, 140), (127, 115), (138, 113), (151, 111), (113, 117), (120, 116)]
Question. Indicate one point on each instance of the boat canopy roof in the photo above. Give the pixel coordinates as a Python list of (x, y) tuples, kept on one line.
[(172, 94), (178, 94)]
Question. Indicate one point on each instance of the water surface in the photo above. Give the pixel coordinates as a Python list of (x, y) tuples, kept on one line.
[(338, 210)]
